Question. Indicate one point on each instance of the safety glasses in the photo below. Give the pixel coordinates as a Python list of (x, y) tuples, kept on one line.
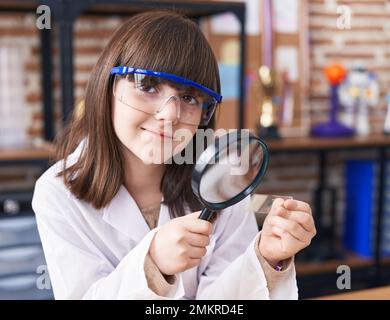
[(151, 91)]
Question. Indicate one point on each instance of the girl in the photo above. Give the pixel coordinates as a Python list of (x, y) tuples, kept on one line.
[(117, 224)]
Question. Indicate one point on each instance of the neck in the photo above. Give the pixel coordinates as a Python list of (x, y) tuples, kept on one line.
[(141, 177)]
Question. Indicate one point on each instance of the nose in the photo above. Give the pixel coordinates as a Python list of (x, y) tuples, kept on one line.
[(170, 110)]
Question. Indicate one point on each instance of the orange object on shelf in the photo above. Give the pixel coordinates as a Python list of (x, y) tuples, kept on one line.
[(335, 73)]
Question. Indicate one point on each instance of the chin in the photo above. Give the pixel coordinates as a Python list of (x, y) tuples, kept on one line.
[(153, 154)]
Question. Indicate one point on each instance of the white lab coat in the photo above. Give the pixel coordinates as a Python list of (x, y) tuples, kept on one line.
[(99, 254)]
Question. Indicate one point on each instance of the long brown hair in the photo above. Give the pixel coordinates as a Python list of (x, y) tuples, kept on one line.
[(162, 41)]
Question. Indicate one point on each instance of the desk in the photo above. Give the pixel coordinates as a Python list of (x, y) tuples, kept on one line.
[(29, 154), (382, 293), (14, 157), (316, 144)]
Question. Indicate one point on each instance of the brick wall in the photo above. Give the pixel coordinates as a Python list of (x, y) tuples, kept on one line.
[(367, 41), (91, 35), (19, 29)]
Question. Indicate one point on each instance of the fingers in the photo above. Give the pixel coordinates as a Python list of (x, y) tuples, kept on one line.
[(278, 202), (196, 252), (192, 215), (292, 227), (197, 239), (303, 218), (297, 205), (287, 238), (200, 226), (192, 223), (193, 263), (290, 224), (282, 212)]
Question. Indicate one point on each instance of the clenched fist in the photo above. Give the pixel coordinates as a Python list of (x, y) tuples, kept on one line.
[(288, 228)]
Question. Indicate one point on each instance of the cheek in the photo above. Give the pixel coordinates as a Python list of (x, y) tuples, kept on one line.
[(126, 122)]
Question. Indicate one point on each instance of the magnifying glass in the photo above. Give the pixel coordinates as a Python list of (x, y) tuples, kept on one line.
[(228, 171)]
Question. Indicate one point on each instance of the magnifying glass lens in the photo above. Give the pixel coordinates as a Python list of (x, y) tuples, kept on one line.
[(232, 174)]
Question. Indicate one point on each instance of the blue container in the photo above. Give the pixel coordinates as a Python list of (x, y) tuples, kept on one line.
[(358, 223)]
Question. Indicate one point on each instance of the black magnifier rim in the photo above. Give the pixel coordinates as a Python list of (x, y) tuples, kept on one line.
[(219, 145)]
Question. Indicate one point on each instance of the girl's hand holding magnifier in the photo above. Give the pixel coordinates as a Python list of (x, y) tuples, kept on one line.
[(180, 244)]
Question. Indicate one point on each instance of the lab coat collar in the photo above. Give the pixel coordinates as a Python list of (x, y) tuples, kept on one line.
[(123, 214)]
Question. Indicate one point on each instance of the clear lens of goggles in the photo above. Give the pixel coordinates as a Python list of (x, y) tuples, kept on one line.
[(148, 94)]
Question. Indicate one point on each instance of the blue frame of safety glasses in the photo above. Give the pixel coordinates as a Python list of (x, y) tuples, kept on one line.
[(122, 70)]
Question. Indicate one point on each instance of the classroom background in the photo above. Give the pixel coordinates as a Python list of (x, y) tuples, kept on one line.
[(310, 77)]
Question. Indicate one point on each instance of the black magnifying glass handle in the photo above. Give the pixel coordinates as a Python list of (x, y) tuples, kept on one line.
[(206, 214)]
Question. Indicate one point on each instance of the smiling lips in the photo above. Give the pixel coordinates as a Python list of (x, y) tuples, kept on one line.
[(161, 134)]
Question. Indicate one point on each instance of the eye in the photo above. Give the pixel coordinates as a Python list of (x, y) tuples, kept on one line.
[(147, 88), (188, 99)]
